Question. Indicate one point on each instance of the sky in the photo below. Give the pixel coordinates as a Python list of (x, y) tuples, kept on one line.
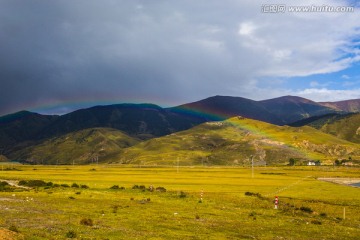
[(61, 55)]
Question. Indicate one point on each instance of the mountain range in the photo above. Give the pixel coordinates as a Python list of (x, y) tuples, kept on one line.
[(112, 132)]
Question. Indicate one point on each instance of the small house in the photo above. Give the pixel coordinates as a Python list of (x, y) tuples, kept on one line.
[(314, 163)]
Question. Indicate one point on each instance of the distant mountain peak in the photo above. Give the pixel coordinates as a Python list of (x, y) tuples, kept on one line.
[(290, 98)]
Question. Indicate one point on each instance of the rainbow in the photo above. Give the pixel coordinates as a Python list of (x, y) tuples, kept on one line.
[(211, 115)]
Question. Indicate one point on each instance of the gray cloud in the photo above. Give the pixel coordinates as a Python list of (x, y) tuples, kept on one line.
[(167, 52)]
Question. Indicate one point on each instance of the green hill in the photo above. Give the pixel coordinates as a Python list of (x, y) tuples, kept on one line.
[(234, 141), (81, 147), (3, 158), (346, 127)]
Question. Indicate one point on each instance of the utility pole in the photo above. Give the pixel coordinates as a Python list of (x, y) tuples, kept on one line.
[(252, 166)]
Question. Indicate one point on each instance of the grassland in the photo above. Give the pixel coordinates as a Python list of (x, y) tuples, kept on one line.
[(308, 208)]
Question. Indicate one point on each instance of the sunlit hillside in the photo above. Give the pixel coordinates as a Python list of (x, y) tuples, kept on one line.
[(236, 141)]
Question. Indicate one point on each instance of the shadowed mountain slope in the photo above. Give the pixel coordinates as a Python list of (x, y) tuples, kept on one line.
[(290, 109), (346, 106), (81, 147), (219, 108)]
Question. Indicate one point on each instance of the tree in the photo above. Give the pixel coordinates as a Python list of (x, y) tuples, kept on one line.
[(292, 162)]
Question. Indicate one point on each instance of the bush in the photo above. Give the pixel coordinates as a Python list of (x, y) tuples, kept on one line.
[(13, 228), (84, 186), (22, 183), (182, 195), (161, 189), (74, 185), (71, 234), (316, 222), (56, 185), (323, 215), (87, 222), (115, 187), (252, 194), (50, 184), (3, 184), (252, 214), (306, 209), (36, 183), (115, 208), (65, 185)]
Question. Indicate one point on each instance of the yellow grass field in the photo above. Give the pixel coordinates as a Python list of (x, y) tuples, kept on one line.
[(236, 204)]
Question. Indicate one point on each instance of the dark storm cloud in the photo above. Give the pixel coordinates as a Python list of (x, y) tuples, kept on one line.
[(59, 50), (175, 51)]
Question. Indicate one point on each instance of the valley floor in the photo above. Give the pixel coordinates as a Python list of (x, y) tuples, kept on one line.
[(102, 202)]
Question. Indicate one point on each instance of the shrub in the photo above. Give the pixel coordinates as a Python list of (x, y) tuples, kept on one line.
[(74, 185), (182, 195), (253, 194), (36, 183), (65, 185), (306, 209), (78, 193), (13, 228), (316, 222), (84, 186), (135, 187), (50, 184), (161, 189), (115, 187), (22, 183), (87, 222), (71, 197), (252, 214), (71, 234), (4, 184), (323, 215), (56, 185), (115, 208)]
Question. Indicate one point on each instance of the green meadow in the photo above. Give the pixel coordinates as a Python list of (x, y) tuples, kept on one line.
[(199, 203)]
